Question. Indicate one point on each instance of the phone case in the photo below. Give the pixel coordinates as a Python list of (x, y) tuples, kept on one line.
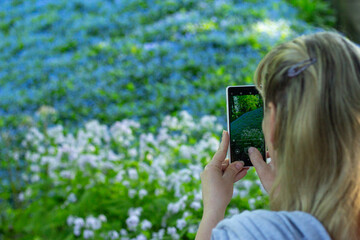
[(239, 144)]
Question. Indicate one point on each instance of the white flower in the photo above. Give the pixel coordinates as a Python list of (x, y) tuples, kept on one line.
[(158, 192), (16, 155), (133, 174), (180, 224), (135, 211), (88, 159), (28, 192), (235, 192), (207, 121), (172, 143), (132, 222), (198, 196), (186, 151), (123, 232), (49, 160), (173, 207), (258, 182), (158, 235), (100, 177), (35, 178), (173, 233), (70, 220), (233, 211), (186, 213), (21, 196), (51, 150), (192, 229), (126, 183), (171, 230), (102, 218), (162, 136), (113, 234), (79, 222), (142, 193), (170, 122), (77, 230), (195, 205), (34, 168), (67, 174), (145, 224), (141, 237), (243, 193), (93, 223), (112, 156), (252, 203), (132, 193), (71, 198), (88, 234), (161, 233), (247, 184), (132, 152)]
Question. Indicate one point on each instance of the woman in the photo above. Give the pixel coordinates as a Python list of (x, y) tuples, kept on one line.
[(311, 92)]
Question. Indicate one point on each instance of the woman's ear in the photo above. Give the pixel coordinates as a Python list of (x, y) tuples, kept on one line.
[(272, 119)]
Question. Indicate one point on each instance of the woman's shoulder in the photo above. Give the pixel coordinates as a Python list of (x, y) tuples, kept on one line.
[(264, 224)]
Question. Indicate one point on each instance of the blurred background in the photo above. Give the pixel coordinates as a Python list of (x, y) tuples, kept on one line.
[(110, 109)]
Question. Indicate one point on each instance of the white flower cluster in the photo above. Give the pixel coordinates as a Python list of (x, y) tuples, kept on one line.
[(142, 193), (172, 160), (88, 225), (123, 133), (176, 179), (89, 148), (134, 218), (62, 154), (196, 204), (70, 199)]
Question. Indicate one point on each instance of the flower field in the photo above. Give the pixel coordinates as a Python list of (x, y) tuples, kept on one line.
[(111, 109)]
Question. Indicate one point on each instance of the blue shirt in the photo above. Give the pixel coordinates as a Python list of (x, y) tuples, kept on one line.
[(263, 224)]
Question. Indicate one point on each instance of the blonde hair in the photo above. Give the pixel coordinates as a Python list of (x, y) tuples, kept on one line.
[(317, 130)]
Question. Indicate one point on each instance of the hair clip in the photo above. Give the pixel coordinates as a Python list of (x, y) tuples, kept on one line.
[(296, 70)]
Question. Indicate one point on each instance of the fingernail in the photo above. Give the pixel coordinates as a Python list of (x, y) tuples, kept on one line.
[(251, 150), (223, 133), (239, 165)]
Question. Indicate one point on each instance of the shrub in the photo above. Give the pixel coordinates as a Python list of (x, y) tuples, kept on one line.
[(106, 182)]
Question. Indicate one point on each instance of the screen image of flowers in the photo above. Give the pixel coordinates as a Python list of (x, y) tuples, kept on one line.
[(110, 110)]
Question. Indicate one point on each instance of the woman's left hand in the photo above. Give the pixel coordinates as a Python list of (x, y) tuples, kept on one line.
[(218, 179)]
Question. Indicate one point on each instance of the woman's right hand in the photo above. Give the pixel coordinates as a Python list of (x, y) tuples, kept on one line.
[(266, 171)]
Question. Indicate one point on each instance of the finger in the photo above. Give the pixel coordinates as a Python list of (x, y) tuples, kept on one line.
[(241, 174), (258, 161), (233, 169), (225, 164), (220, 155)]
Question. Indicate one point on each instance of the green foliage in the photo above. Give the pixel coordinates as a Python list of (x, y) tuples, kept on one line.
[(317, 12), (243, 104)]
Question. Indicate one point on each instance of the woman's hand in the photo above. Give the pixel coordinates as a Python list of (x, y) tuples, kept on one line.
[(266, 171), (218, 180)]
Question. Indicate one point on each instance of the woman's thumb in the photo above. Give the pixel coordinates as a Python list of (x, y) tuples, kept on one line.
[(233, 169)]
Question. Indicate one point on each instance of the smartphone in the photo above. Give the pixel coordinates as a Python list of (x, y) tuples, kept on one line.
[(245, 113)]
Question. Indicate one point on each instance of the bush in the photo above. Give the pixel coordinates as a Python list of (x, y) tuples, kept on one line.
[(103, 182)]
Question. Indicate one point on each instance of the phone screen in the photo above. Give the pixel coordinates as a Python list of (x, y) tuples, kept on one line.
[(245, 115)]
